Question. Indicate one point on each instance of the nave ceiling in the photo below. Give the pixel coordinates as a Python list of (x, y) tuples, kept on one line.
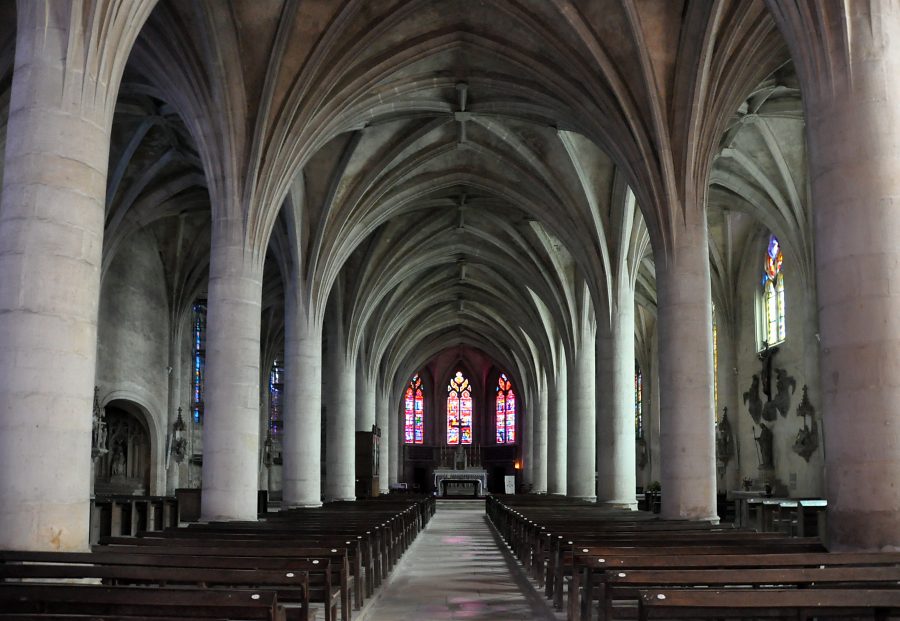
[(465, 172)]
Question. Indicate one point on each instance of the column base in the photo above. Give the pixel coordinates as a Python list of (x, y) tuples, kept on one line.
[(584, 498), (301, 505), (349, 499), (630, 505)]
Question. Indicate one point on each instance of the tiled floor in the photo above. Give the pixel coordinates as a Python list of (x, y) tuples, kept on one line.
[(459, 568)]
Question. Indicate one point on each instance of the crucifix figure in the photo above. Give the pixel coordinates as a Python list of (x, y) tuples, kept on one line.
[(769, 410)]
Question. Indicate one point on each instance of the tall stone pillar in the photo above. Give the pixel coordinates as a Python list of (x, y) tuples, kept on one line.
[(526, 442), (231, 417), (340, 423), (365, 399), (854, 133), (382, 408), (52, 217), (557, 419), (539, 453), (173, 467), (394, 441), (301, 438), (687, 437), (616, 470), (581, 431)]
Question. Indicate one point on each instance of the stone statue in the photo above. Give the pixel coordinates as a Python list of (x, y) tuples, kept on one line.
[(724, 439), (764, 444), (118, 462), (752, 398), (98, 435), (782, 398)]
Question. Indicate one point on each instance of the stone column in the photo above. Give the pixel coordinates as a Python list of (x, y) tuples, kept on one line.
[(687, 440), (854, 132), (526, 429), (616, 476), (557, 412), (365, 399), (173, 468), (581, 432), (301, 438), (382, 407), (394, 441), (340, 428), (730, 478), (231, 416), (52, 218), (539, 453)]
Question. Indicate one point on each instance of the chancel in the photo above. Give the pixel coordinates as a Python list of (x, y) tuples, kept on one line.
[(373, 287)]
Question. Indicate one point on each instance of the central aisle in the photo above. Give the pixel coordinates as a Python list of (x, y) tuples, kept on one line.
[(459, 568)]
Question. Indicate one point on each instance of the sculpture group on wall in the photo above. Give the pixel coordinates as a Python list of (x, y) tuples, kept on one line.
[(765, 413)]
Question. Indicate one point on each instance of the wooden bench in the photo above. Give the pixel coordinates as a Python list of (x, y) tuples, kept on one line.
[(625, 586), (746, 603), (329, 579), (41, 599), (290, 586)]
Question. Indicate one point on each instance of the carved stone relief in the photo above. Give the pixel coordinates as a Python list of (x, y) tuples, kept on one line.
[(807, 440)]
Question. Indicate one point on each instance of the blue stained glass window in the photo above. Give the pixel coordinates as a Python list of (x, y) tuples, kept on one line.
[(198, 371), (772, 316), (276, 392)]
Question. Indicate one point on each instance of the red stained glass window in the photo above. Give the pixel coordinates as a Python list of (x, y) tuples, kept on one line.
[(506, 411), (459, 410), (414, 402)]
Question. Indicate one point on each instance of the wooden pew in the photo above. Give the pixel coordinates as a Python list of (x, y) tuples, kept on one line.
[(139, 601), (774, 603), (329, 575), (290, 586), (627, 585)]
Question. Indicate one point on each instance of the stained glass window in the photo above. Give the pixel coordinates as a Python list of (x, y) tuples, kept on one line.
[(506, 411), (276, 390), (198, 359), (772, 326), (459, 410), (414, 428), (715, 337), (638, 401)]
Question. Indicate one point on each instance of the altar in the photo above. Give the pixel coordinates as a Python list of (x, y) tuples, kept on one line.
[(469, 482)]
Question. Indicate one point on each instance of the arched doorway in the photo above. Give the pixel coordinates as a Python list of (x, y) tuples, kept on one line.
[(125, 468)]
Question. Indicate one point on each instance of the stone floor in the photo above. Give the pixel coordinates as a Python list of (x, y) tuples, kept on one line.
[(459, 568)]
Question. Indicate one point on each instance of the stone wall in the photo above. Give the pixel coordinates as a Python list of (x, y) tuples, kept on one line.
[(133, 328)]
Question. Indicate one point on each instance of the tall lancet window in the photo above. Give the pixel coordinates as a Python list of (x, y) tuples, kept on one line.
[(715, 352), (414, 429), (772, 326), (198, 358), (459, 410), (506, 411), (638, 402), (276, 390)]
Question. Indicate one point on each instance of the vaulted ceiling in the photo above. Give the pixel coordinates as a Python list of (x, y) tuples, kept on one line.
[(465, 172)]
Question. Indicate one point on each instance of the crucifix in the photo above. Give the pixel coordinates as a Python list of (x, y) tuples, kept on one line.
[(766, 356)]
